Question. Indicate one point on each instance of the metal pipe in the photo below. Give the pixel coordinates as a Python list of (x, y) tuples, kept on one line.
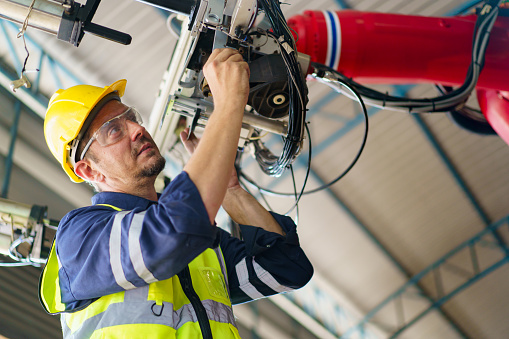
[(187, 106), (185, 7), (9, 161), (273, 126), (16, 209), (45, 15)]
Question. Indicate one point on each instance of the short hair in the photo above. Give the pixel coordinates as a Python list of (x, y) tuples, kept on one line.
[(90, 154)]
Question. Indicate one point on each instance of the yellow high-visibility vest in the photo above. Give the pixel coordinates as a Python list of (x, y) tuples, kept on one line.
[(159, 310)]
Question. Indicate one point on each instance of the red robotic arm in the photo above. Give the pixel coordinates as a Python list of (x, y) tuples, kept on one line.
[(400, 49)]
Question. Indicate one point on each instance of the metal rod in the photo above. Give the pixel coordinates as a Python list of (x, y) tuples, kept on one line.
[(475, 259), (177, 6), (187, 107), (400, 312), (16, 209), (10, 45), (45, 16), (438, 282), (10, 155)]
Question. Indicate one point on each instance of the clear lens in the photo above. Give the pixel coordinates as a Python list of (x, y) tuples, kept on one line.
[(115, 129)]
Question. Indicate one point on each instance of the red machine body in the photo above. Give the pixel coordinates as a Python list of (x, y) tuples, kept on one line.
[(401, 49)]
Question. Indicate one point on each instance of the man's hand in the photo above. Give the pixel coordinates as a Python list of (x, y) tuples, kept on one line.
[(190, 141), (228, 77)]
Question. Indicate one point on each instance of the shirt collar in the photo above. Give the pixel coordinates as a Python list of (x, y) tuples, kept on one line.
[(122, 200)]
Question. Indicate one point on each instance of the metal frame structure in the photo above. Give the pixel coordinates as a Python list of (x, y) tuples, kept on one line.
[(10, 155), (35, 101), (436, 271)]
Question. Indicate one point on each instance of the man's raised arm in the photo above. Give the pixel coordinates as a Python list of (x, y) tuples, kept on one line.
[(210, 166)]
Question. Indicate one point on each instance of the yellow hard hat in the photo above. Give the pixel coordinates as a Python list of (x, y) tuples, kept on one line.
[(69, 114)]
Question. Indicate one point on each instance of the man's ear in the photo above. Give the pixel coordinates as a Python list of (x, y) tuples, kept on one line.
[(87, 171)]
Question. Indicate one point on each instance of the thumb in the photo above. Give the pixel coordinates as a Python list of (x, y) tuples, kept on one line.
[(190, 143)]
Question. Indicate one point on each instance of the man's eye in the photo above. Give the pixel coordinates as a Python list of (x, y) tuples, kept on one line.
[(113, 131)]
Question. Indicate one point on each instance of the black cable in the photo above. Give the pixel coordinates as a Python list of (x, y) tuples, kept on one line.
[(253, 19), (261, 190), (445, 103), (306, 177), (449, 101), (296, 205), (339, 177), (270, 164), (471, 6), (469, 111)]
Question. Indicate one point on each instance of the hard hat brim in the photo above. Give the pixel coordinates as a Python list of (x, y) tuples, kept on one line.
[(63, 151)]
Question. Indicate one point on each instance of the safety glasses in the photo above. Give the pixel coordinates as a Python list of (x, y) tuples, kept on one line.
[(113, 130)]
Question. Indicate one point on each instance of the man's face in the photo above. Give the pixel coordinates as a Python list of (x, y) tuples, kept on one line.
[(133, 158)]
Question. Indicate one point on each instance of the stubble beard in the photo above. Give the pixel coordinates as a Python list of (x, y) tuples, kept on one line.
[(154, 169)]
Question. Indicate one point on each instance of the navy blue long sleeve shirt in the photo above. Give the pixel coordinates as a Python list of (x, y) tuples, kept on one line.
[(104, 251)]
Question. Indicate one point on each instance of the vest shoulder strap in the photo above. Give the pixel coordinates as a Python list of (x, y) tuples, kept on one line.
[(49, 284)]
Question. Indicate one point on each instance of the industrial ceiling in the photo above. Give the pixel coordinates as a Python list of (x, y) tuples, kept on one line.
[(411, 243)]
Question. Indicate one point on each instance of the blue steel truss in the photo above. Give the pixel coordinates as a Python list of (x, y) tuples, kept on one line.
[(327, 312), (463, 264), (32, 98), (46, 65), (465, 276)]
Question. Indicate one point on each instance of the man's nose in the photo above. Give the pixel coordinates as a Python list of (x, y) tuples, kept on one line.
[(135, 130)]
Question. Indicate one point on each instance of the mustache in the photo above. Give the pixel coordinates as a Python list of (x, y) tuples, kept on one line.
[(139, 144)]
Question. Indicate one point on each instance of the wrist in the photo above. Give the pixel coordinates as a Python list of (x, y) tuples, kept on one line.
[(233, 194), (230, 105)]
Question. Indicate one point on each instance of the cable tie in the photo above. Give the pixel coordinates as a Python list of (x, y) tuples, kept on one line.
[(486, 9), (285, 45)]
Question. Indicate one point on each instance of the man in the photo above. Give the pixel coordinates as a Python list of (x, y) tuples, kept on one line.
[(141, 265)]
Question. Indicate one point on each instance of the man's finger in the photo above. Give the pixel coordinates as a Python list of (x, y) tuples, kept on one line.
[(223, 54), (187, 144)]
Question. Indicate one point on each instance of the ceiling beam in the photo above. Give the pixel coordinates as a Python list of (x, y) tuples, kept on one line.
[(380, 246), (24, 95), (46, 172)]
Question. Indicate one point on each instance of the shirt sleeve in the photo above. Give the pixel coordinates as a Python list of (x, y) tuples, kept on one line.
[(102, 251), (264, 263)]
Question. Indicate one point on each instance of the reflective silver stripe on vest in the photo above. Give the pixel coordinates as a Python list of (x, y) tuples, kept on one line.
[(139, 294), (245, 285), (141, 313), (135, 249), (115, 250), (223, 267), (268, 279), (66, 331)]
